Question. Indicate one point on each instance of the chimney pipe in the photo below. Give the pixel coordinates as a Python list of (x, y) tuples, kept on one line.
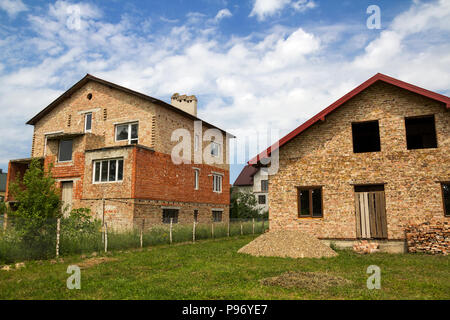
[(186, 103)]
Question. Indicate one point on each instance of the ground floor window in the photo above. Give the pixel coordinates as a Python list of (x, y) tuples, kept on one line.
[(446, 198), (217, 215), (170, 214), (262, 199), (309, 202), (108, 170)]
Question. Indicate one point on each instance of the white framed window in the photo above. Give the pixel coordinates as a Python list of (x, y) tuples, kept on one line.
[(217, 183), (215, 149), (88, 122), (196, 142), (196, 178), (65, 150), (127, 132), (109, 170)]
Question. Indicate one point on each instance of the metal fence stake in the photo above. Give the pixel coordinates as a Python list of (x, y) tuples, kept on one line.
[(106, 237), (170, 232), (58, 227)]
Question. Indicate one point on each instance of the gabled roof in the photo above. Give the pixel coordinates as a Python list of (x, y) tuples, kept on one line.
[(245, 178), (89, 77), (322, 114)]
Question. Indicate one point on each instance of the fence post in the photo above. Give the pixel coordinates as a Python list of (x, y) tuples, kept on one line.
[(228, 228), (262, 230), (142, 231), (193, 232), (58, 227), (212, 229), (253, 226), (171, 221), (103, 220), (242, 231), (106, 237)]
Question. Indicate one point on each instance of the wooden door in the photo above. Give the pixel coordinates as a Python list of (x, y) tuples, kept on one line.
[(370, 215), (67, 191)]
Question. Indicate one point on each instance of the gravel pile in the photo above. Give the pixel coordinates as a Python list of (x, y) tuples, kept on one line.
[(293, 244)]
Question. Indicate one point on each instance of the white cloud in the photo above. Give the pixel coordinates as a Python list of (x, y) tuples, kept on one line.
[(263, 9), (276, 79), (13, 7), (224, 13)]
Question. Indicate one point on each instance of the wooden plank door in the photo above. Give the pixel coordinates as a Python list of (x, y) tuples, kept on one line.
[(67, 191), (370, 215)]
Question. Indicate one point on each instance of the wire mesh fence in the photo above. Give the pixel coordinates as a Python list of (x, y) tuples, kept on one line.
[(66, 238)]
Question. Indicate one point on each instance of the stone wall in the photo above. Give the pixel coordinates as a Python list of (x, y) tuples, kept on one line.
[(323, 156)]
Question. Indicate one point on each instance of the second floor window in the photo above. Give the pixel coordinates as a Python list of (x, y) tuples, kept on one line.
[(215, 149), (264, 185), (108, 170), (65, 150), (127, 132), (88, 122), (420, 132), (217, 183), (366, 136)]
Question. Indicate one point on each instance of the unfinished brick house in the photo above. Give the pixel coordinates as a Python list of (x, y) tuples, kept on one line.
[(371, 163), (111, 152)]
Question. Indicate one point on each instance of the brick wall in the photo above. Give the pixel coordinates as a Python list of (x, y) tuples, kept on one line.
[(323, 156)]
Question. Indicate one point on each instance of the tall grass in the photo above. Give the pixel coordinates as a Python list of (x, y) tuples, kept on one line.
[(13, 249)]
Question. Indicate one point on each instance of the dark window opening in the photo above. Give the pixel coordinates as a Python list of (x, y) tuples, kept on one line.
[(170, 214), (369, 188), (366, 137), (310, 202), (88, 122), (65, 150), (217, 216), (195, 215), (262, 199), (420, 132), (446, 198), (89, 96)]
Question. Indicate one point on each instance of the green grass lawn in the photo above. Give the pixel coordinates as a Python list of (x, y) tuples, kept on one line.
[(212, 269)]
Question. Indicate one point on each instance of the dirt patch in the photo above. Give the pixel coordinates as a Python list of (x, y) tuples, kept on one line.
[(293, 244), (306, 280), (92, 262)]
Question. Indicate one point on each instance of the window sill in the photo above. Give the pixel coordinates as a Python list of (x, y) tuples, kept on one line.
[(106, 182), (310, 218)]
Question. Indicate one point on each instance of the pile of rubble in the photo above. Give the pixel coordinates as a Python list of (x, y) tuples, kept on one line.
[(432, 238), (365, 247), (292, 244)]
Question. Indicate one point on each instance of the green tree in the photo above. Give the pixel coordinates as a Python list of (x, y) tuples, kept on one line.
[(244, 205), (38, 201)]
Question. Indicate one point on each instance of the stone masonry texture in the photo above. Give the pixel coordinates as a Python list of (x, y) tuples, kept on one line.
[(323, 156)]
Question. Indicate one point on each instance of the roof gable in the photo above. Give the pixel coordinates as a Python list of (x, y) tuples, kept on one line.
[(322, 114), (245, 178), (88, 78)]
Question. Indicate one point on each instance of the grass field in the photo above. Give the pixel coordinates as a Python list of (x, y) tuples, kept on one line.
[(212, 269)]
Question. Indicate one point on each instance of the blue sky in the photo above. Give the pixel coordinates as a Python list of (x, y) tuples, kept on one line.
[(253, 64)]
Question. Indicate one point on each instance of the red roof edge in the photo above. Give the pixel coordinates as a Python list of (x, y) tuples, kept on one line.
[(322, 114)]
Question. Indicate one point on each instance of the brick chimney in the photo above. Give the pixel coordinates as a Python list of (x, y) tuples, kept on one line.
[(186, 103)]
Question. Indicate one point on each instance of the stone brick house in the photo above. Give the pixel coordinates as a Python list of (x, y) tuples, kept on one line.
[(254, 180), (371, 163), (111, 152)]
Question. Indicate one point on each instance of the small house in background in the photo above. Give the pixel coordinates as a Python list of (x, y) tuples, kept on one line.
[(255, 181), (366, 167), (3, 176)]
